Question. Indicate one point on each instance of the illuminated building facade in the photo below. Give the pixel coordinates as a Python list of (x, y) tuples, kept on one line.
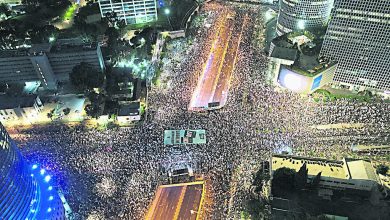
[(295, 15), (19, 107), (301, 81), (25, 191), (358, 38), (132, 11), (295, 65)]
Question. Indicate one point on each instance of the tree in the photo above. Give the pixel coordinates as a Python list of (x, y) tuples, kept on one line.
[(112, 41), (382, 169), (51, 114), (42, 34), (301, 177), (93, 110), (316, 180), (66, 111), (85, 76), (112, 19), (4, 10), (284, 178)]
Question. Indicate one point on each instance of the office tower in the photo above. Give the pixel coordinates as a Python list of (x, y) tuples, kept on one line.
[(358, 37), (25, 191), (295, 15), (132, 11)]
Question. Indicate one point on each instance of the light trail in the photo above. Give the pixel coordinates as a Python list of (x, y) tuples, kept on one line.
[(214, 82), (206, 66), (209, 77), (220, 68)]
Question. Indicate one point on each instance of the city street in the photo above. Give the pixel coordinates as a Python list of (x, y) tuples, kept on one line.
[(213, 85)]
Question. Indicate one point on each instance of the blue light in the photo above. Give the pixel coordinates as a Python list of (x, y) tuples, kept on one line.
[(51, 198), (42, 171), (49, 210), (34, 166), (32, 210), (50, 188), (32, 175), (47, 178)]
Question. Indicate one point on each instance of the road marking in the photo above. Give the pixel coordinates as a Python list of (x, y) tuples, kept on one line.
[(201, 77), (220, 67), (178, 206)]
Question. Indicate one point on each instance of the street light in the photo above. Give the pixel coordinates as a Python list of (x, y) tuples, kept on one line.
[(51, 39), (167, 11)]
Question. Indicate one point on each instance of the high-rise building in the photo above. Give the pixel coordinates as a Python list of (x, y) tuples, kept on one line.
[(295, 15), (26, 192), (48, 63), (358, 38), (132, 11)]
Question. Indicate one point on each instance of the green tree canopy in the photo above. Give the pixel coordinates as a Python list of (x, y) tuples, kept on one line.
[(4, 10), (66, 111), (85, 76), (97, 104), (316, 180), (284, 178), (112, 42), (301, 177), (382, 169)]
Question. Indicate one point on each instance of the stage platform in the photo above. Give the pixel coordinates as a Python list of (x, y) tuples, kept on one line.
[(177, 201), (174, 137)]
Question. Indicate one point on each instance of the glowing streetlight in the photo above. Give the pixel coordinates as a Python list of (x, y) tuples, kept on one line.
[(167, 11), (51, 39)]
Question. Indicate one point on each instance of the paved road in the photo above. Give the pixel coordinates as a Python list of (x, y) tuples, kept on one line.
[(222, 88), (214, 82), (210, 77), (176, 202)]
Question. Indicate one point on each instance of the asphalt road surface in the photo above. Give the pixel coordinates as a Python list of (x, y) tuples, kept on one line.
[(213, 85), (177, 202)]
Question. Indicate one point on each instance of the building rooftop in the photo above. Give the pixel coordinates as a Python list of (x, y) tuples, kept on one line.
[(36, 48), (61, 46), (13, 53), (284, 53), (345, 169), (10, 102), (361, 169), (306, 57), (71, 47), (332, 169), (131, 108)]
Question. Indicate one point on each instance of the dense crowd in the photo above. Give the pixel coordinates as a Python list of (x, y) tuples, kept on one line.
[(113, 174)]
